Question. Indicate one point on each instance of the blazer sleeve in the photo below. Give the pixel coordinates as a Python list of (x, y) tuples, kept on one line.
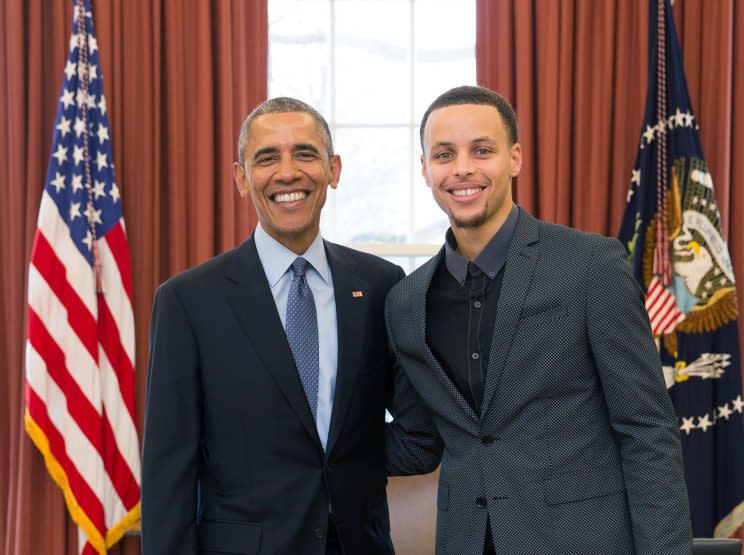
[(172, 431), (412, 443), (641, 414)]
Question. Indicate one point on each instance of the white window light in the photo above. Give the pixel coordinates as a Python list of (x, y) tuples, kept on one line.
[(371, 67)]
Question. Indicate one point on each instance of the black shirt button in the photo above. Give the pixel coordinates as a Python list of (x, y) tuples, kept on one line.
[(318, 534), (487, 440), (481, 502), (477, 304), (475, 356)]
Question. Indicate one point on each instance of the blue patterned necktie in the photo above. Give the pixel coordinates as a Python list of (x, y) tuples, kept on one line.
[(302, 331)]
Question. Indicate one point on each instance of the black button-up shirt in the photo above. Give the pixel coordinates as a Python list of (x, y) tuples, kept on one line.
[(461, 310)]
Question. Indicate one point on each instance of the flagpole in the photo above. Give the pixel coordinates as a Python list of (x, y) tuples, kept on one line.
[(662, 265), (83, 71)]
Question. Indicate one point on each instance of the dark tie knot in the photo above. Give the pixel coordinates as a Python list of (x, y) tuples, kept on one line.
[(299, 266)]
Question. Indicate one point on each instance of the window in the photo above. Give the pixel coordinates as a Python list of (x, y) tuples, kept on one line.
[(372, 67)]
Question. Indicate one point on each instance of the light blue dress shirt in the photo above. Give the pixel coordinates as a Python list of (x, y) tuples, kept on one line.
[(276, 260)]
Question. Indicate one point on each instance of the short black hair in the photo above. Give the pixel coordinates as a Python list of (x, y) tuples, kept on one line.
[(282, 104), (469, 94)]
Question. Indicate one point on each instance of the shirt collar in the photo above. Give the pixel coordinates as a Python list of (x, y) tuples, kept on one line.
[(491, 258), (276, 258)]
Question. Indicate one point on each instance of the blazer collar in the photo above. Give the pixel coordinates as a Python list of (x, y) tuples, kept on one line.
[(417, 306), (253, 305), (250, 298), (352, 322), (520, 265)]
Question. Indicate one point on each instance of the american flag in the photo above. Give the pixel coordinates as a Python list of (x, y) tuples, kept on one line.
[(662, 308), (80, 399)]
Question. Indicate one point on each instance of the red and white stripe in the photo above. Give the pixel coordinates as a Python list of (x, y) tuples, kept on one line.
[(662, 308), (80, 371)]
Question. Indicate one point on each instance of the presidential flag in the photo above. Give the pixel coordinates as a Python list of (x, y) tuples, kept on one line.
[(80, 400), (672, 230)]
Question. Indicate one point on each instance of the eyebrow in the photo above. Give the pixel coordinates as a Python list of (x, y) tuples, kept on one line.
[(295, 148), (266, 150), (442, 143), (474, 141), (302, 146)]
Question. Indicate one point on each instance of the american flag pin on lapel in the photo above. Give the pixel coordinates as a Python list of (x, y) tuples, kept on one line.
[(357, 294)]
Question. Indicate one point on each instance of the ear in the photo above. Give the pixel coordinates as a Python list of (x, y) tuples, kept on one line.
[(424, 172), (241, 179), (335, 171), (515, 159)]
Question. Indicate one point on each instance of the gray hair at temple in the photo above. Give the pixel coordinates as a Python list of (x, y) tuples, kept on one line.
[(279, 105)]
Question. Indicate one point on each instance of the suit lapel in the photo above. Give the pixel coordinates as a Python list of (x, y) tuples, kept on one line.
[(350, 321), (520, 264), (417, 308), (252, 303)]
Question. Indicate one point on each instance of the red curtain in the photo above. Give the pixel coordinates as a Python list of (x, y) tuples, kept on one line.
[(576, 72), (179, 77)]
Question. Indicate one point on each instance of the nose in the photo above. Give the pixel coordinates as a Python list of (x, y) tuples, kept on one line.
[(287, 170), (463, 167)]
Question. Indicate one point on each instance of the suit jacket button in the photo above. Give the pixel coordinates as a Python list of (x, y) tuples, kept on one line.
[(487, 440), (481, 502), (318, 534)]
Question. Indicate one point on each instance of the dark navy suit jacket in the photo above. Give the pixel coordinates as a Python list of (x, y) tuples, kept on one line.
[(232, 462)]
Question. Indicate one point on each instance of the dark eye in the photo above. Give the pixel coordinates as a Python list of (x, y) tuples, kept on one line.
[(265, 160), (307, 155)]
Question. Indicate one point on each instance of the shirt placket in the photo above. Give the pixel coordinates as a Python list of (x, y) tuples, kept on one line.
[(475, 299)]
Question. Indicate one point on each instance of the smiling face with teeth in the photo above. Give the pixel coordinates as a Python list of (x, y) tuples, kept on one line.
[(287, 173), (469, 162)]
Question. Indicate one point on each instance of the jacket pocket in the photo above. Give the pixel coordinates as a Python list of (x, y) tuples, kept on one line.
[(548, 315), (238, 538), (565, 488)]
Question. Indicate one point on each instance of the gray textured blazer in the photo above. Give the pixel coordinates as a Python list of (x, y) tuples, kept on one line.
[(576, 450)]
